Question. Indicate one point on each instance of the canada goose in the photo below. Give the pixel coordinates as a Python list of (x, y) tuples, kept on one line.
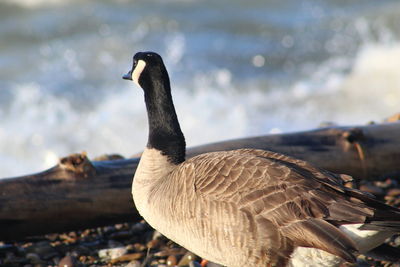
[(243, 207)]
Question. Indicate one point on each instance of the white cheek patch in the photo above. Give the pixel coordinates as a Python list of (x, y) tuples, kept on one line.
[(138, 71)]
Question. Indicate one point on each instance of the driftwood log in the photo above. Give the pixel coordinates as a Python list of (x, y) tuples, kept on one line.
[(79, 193)]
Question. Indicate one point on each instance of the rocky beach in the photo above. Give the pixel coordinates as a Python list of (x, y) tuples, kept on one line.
[(138, 245)]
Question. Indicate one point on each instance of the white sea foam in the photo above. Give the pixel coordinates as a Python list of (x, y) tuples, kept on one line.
[(42, 127), (370, 91)]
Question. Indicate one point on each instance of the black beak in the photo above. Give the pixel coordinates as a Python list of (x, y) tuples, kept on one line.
[(127, 76)]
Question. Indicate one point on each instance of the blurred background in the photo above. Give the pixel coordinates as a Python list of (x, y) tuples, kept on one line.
[(238, 68)]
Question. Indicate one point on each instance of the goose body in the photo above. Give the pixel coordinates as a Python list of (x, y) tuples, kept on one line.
[(245, 207)]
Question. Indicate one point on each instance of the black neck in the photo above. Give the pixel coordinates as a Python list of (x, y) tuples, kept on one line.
[(164, 131)]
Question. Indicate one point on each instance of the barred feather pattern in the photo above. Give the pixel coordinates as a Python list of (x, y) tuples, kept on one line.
[(249, 207)]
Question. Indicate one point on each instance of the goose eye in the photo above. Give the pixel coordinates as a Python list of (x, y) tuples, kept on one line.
[(134, 64)]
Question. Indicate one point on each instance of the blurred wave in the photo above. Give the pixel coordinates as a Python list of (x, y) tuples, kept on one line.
[(238, 68)]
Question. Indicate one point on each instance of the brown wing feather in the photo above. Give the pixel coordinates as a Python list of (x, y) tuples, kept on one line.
[(303, 203), (321, 234)]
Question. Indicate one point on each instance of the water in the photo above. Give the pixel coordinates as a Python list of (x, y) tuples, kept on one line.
[(238, 68)]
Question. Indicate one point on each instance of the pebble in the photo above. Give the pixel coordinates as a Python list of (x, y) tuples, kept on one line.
[(139, 247), (111, 253), (396, 241), (394, 192), (384, 184), (212, 264), (44, 249), (87, 259), (68, 239), (170, 251), (171, 260), (68, 261), (34, 258), (134, 264), (187, 258), (157, 235), (139, 228), (153, 244), (86, 232), (194, 264), (128, 257)]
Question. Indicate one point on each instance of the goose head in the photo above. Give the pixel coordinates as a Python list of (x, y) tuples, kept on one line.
[(147, 68), (149, 72)]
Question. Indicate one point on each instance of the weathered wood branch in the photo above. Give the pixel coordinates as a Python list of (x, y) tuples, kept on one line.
[(78, 193)]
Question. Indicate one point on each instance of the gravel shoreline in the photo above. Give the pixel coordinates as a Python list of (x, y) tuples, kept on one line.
[(137, 244), (117, 245)]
